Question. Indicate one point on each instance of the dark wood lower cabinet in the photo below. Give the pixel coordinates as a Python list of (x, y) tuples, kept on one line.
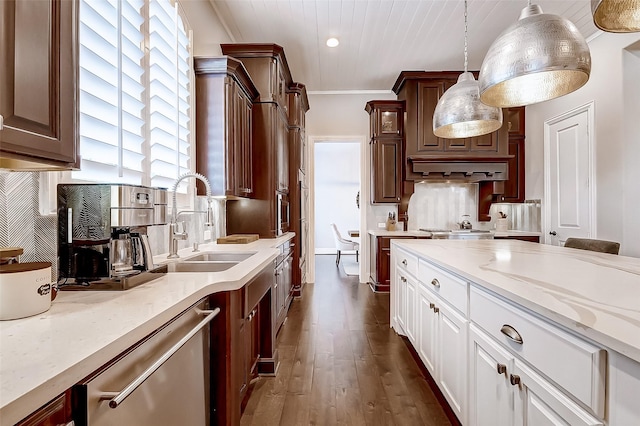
[(380, 261), (242, 345), (530, 238), (54, 413)]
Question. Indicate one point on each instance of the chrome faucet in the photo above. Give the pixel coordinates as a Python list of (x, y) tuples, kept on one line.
[(174, 235)]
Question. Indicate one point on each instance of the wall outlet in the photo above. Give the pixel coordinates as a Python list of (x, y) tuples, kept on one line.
[(207, 235), (382, 225)]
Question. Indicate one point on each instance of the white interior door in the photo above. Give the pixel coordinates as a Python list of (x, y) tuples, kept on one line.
[(569, 181)]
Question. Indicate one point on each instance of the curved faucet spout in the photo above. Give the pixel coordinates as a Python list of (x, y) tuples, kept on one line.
[(174, 236)]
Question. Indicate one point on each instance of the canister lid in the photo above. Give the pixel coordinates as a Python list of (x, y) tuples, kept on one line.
[(11, 251), (23, 267)]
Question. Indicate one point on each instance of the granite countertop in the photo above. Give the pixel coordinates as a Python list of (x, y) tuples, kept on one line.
[(425, 234), (44, 355), (595, 295)]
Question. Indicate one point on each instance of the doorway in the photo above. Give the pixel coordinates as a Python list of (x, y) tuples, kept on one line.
[(335, 184)]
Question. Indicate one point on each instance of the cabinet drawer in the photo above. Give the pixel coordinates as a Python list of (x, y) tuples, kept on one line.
[(450, 288), (574, 364), (407, 262)]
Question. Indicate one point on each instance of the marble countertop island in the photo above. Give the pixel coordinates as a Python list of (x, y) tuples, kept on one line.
[(46, 354), (596, 295)]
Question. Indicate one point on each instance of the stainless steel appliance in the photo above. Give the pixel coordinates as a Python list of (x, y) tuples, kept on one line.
[(163, 380), (102, 235), (459, 234)]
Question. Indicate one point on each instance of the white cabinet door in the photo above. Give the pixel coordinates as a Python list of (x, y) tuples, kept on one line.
[(410, 299), (427, 328), (401, 299), (539, 403), (452, 357), (490, 393)]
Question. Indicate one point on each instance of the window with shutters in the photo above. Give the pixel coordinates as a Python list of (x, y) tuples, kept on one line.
[(135, 83)]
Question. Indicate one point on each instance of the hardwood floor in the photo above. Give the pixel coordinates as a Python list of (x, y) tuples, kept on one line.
[(341, 364)]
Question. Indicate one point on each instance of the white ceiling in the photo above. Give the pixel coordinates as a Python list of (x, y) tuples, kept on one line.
[(379, 38)]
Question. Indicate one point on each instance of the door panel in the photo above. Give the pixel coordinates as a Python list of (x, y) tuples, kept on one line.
[(569, 173), (491, 396)]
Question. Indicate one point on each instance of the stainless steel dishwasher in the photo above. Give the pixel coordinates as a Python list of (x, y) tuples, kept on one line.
[(162, 380)]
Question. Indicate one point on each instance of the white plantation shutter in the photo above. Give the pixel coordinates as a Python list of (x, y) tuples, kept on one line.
[(134, 109), (111, 91), (169, 85)]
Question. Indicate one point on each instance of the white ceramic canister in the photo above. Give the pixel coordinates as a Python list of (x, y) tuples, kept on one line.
[(25, 289)]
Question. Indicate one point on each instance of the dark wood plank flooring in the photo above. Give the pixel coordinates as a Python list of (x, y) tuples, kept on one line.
[(341, 364)]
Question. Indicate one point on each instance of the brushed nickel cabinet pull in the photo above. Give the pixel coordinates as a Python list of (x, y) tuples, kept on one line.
[(511, 333), (432, 305), (502, 369), (404, 262), (436, 309), (435, 282), (514, 379), (403, 279)]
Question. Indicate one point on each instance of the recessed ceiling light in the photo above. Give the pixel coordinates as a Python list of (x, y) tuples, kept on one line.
[(333, 42)]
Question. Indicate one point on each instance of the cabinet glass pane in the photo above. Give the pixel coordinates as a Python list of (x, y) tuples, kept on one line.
[(389, 122)]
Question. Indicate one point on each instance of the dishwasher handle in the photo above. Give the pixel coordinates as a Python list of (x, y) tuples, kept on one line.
[(115, 401)]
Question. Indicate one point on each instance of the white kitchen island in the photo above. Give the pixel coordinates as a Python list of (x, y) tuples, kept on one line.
[(522, 333)]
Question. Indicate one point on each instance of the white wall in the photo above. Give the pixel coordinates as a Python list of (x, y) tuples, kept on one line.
[(613, 87), (208, 31), (337, 182)]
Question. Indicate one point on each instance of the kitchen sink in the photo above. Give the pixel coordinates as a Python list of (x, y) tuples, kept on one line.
[(220, 257), (200, 266)]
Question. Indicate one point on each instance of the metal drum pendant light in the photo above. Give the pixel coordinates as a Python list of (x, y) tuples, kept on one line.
[(459, 112), (540, 57), (616, 16)]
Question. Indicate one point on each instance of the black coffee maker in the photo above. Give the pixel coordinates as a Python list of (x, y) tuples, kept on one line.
[(102, 235)]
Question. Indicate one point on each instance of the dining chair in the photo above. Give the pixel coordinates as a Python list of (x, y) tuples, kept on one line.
[(343, 244), (601, 246)]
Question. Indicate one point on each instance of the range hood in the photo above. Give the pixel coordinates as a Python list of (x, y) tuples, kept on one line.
[(460, 170)]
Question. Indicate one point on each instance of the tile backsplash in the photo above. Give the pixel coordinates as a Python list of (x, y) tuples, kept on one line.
[(441, 205), (22, 225)]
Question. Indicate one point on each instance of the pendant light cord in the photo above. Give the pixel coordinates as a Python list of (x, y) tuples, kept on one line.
[(466, 60)]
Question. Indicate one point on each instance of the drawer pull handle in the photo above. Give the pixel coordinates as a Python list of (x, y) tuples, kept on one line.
[(404, 262), (511, 333), (124, 393), (403, 279), (432, 305), (435, 282), (436, 309), (514, 379), (502, 369)]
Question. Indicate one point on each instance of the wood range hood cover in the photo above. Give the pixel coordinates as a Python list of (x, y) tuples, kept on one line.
[(460, 170)]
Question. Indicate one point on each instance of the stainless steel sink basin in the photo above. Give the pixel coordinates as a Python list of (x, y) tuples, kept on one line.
[(213, 256), (200, 266)]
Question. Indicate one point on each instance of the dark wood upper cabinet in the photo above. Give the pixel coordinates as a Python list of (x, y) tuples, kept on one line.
[(386, 170), (514, 119), (268, 213), (514, 186), (224, 124), (38, 85), (267, 66), (386, 119), (387, 139)]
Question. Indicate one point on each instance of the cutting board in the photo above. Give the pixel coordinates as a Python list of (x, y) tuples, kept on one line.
[(238, 239)]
